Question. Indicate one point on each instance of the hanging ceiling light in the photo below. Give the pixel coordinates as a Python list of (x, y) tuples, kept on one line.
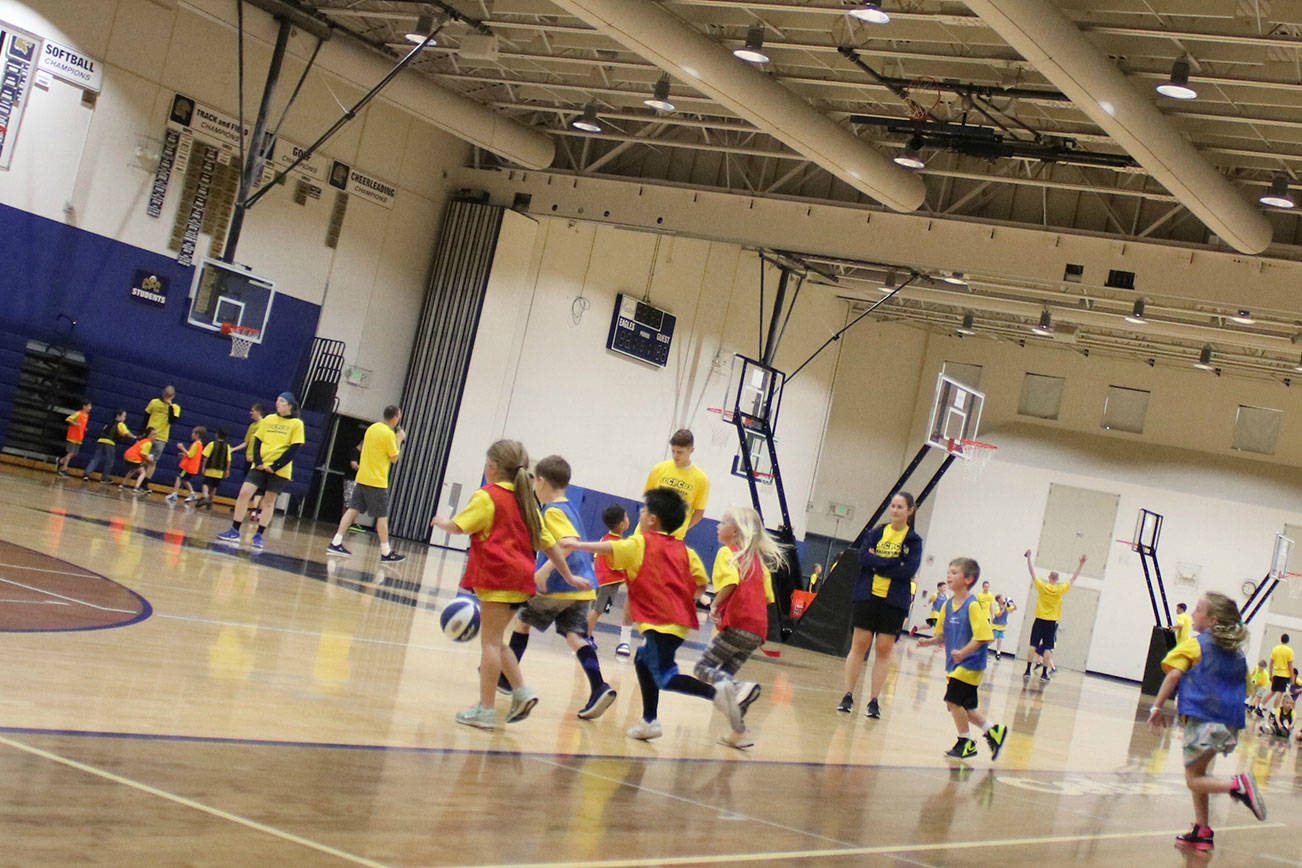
[(872, 13), (1278, 195), (955, 278), (1044, 328), (1177, 86), (753, 50), (1243, 317), (588, 120), (659, 99), (1137, 313), (1204, 362), (424, 28), (911, 156), (966, 328)]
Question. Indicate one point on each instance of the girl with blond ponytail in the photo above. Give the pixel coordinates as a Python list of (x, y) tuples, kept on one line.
[(1209, 673), (505, 530)]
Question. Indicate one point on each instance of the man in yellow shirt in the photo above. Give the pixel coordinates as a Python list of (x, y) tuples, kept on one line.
[(684, 477), (1281, 671), (277, 439), (381, 447), (1048, 610), (1183, 623)]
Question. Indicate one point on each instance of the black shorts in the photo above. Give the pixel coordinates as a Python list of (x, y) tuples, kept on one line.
[(931, 622), (265, 480), (370, 499), (1043, 634), (1279, 684), (567, 616), (961, 693), (878, 616)]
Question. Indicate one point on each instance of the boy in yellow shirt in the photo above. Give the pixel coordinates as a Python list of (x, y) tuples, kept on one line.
[(684, 477)]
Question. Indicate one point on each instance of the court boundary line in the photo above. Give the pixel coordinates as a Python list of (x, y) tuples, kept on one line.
[(187, 802), (71, 599), (875, 850)]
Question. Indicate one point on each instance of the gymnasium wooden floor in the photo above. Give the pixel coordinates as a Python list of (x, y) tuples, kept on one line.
[(279, 709)]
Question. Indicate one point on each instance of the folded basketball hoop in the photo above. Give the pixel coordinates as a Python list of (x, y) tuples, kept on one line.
[(242, 339)]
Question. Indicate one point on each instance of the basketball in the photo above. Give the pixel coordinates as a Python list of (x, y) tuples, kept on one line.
[(460, 619)]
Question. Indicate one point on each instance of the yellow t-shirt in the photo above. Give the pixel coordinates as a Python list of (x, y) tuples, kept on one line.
[(627, 554), (160, 416), (986, 601), (276, 434), (477, 515), (725, 573), (1281, 661), (248, 439), (559, 526), (1258, 677), (1183, 656), (379, 448), (220, 473), (122, 433), (888, 547), (691, 483), (1049, 605), (1183, 626), (981, 631)]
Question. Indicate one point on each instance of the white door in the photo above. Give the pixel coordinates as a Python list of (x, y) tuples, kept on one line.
[(1075, 629)]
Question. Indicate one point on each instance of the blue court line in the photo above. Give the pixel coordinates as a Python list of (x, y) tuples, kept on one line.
[(451, 751)]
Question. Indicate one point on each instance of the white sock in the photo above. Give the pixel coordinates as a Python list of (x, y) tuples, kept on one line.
[(384, 548), (987, 726), (626, 635), (338, 540), (964, 734)]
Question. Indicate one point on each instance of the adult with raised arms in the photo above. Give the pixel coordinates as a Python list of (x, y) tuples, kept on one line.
[(1048, 611)]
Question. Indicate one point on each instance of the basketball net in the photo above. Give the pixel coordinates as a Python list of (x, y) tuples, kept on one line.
[(241, 340), (977, 454)]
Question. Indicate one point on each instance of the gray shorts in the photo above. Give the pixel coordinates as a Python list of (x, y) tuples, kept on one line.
[(370, 500), (606, 597), (1201, 736), (726, 652), (569, 616)]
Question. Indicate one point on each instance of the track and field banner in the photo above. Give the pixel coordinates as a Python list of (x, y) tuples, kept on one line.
[(19, 52)]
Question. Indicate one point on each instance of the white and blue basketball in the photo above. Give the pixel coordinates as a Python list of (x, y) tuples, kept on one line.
[(460, 619)]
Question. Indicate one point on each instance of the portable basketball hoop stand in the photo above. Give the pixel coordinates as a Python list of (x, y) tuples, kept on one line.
[(1267, 586), (1148, 529)]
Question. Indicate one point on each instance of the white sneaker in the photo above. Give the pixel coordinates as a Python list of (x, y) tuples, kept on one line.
[(171, 498), (739, 740), (623, 650), (645, 730), (192, 498), (725, 699)]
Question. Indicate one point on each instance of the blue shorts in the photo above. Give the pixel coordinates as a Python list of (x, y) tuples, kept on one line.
[(657, 655)]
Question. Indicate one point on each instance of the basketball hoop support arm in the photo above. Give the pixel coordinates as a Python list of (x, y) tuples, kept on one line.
[(1259, 597)]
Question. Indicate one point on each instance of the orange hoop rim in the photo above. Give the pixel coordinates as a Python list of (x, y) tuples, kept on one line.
[(230, 329)]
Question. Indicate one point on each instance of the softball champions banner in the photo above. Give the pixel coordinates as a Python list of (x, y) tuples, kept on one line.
[(19, 51)]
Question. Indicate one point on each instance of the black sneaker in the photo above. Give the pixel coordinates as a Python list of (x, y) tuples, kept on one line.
[(503, 686), (995, 739), (964, 748), (873, 710), (1246, 792), (847, 703), (598, 703), (1197, 838), (749, 692), (392, 558)]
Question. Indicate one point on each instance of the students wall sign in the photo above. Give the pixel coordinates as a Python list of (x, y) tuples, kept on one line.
[(149, 288)]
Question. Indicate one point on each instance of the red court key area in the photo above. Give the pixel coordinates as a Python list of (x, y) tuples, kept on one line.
[(41, 593)]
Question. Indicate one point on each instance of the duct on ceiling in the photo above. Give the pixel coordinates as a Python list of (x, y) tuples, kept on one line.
[(693, 58), (1051, 43)]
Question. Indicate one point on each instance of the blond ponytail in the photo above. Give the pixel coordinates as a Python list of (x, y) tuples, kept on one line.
[(1228, 630), (513, 462)]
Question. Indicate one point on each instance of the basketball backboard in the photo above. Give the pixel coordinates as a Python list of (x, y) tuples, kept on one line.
[(955, 415), (754, 391), (223, 293), (1279, 556)]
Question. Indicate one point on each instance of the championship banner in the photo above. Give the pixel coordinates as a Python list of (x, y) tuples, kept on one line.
[(368, 187), (72, 66), (197, 206), (19, 51), (165, 161)]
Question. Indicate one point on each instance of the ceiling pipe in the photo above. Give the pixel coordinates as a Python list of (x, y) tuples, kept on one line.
[(1055, 46), (693, 58)]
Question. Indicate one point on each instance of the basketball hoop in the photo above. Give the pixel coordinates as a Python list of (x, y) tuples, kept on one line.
[(977, 455), (242, 339)]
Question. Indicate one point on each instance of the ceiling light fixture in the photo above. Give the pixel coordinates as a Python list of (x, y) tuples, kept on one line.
[(753, 50), (911, 156), (588, 120), (1137, 313), (955, 278), (872, 13), (1177, 86), (966, 328), (1243, 317), (659, 99), (1278, 196), (1044, 328), (1204, 362), (424, 28)]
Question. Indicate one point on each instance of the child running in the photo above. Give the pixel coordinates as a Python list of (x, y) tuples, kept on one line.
[(191, 459), (505, 530), (140, 462), (556, 601), (106, 446), (216, 467), (743, 590), (609, 581), (965, 632), (76, 434), (665, 578), (1208, 672)]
